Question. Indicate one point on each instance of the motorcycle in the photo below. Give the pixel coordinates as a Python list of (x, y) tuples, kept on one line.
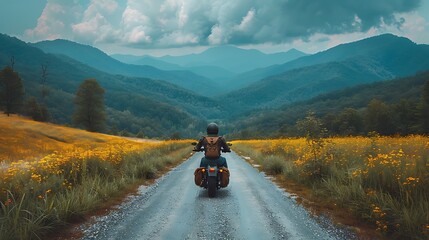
[(212, 176)]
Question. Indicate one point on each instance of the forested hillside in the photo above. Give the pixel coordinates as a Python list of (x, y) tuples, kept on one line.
[(307, 82), (268, 107), (397, 55), (396, 105), (97, 59), (156, 108)]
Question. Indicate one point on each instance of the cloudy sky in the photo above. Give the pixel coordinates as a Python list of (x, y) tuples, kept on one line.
[(175, 27)]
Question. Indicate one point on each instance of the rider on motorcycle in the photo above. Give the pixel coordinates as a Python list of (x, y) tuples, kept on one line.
[(212, 131)]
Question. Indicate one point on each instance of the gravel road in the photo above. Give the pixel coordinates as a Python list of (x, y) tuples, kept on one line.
[(251, 207)]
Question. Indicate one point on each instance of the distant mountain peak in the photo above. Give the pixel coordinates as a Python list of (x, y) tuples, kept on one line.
[(388, 36), (232, 58), (229, 50), (385, 38), (293, 50), (59, 40), (65, 43)]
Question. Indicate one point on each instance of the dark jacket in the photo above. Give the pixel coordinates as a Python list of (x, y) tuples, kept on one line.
[(223, 146)]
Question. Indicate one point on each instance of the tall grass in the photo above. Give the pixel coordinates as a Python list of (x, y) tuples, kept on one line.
[(382, 180), (34, 203), (51, 175)]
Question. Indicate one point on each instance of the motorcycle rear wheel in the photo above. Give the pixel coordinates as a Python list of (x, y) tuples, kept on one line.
[(212, 187)]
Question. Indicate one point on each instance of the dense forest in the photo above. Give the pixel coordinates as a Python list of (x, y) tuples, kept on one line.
[(397, 107)]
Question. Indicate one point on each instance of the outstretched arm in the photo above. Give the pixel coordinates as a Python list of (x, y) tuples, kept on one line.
[(199, 145), (225, 147)]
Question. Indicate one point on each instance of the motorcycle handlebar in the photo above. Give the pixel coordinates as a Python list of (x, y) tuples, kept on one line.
[(202, 150)]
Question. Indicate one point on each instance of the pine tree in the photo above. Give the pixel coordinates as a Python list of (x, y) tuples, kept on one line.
[(90, 110), (11, 90)]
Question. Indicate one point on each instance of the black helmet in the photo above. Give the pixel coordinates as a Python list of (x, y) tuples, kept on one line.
[(212, 129)]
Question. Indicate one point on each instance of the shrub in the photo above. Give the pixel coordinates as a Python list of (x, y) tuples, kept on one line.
[(274, 165)]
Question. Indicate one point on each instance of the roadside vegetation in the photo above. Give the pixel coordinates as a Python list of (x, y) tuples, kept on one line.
[(381, 180), (51, 175), (369, 160)]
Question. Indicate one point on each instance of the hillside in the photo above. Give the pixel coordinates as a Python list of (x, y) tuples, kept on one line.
[(155, 107), (62, 174), (397, 55), (41, 139), (379, 58), (307, 82), (217, 74), (149, 61), (271, 122), (97, 59)]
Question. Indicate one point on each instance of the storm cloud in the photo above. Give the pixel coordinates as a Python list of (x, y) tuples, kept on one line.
[(175, 23)]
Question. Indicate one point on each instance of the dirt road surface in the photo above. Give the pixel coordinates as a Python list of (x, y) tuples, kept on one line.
[(251, 207)]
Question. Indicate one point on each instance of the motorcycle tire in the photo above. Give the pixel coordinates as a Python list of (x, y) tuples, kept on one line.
[(212, 186)]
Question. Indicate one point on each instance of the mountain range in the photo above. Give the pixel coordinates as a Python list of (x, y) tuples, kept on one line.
[(374, 59), (97, 59), (214, 73), (203, 73), (156, 107), (223, 61), (174, 95)]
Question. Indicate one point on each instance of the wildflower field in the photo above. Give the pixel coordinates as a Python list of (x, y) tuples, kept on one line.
[(381, 180), (52, 175)]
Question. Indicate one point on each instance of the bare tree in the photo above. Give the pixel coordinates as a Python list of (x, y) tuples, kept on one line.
[(44, 91), (43, 114), (12, 62)]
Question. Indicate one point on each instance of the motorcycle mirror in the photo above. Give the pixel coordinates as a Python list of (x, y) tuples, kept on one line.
[(194, 143)]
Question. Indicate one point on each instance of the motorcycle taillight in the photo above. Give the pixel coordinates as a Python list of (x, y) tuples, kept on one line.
[(211, 170)]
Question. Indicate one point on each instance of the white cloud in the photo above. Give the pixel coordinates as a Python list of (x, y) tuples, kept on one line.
[(92, 28), (183, 16), (178, 38), (98, 22), (132, 17), (49, 24), (173, 23), (216, 37), (138, 35), (247, 20), (414, 26)]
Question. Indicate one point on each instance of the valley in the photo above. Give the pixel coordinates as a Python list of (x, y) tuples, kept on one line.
[(324, 106), (338, 92), (178, 101)]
